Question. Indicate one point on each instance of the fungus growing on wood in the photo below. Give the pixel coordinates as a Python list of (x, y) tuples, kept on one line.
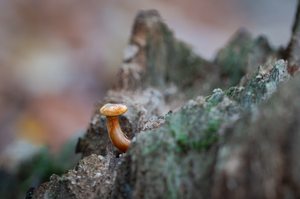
[(116, 135)]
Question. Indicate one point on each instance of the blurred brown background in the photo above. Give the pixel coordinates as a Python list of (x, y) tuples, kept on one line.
[(58, 57)]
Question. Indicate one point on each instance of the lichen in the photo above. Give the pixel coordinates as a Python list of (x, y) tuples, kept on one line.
[(190, 133), (259, 89), (240, 54)]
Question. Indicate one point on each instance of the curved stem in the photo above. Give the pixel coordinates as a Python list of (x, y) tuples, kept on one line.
[(116, 135)]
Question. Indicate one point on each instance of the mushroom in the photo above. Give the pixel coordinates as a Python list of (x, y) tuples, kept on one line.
[(116, 135)]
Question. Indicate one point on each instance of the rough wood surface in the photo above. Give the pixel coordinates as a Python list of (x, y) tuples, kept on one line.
[(240, 141), (293, 50)]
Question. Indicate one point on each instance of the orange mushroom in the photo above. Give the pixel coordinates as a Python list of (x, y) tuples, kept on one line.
[(116, 135)]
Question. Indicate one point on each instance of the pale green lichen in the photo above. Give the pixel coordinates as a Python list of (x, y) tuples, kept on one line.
[(189, 134), (241, 53)]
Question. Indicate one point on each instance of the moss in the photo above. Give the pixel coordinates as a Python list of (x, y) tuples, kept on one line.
[(209, 137), (172, 179), (183, 128), (232, 92), (167, 158), (233, 58), (260, 88), (213, 126), (241, 54), (148, 149), (182, 141), (40, 167), (214, 99)]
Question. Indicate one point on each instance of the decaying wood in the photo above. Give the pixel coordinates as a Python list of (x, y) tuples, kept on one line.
[(293, 50), (240, 141)]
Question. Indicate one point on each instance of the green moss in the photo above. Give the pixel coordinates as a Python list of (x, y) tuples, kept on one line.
[(234, 57), (232, 92), (210, 136), (213, 126), (258, 89), (240, 54), (148, 149), (172, 178), (213, 100), (182, 139), (40, 167), (187, 139)]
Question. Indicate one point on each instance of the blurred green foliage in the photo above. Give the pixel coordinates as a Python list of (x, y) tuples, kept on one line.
[(37, 170)]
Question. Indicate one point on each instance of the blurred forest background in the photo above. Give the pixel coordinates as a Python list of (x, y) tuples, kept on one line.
[(57, 58)]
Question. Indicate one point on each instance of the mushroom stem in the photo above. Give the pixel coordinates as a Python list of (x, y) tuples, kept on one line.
[(116, 135)]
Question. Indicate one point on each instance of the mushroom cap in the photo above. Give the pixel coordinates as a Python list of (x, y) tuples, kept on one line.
[(113, 109)]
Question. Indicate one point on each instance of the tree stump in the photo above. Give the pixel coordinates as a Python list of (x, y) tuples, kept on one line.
[(227, 128)]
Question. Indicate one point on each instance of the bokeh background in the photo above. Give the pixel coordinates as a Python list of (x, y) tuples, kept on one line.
[(57, 58)]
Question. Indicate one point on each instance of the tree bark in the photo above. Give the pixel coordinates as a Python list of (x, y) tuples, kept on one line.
[(238, 142)]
